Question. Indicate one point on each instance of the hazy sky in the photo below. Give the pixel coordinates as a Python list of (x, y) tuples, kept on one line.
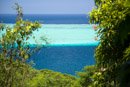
[(48, 6)]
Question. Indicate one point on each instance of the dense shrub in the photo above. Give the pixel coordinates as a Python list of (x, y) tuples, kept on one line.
[(86, 76), (48, 78), (113, 18), (113, 53)]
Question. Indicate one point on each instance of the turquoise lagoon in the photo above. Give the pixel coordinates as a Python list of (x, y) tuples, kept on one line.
[(65, 34)]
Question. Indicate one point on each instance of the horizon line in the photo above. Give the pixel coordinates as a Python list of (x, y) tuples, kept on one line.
[(42, 14)]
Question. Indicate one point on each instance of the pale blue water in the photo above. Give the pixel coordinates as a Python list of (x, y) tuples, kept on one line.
[(71, 42), (65, 34)]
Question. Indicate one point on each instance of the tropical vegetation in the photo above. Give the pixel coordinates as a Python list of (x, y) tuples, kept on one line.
[(112, 55), (113, 52)]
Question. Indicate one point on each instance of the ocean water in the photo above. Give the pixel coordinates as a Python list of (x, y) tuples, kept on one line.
[(48, 18), (65, 34), (67, 59), (71, 42)]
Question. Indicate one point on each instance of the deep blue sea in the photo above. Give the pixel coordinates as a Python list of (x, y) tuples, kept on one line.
[(71, 42), (48, 18), (65, 59)]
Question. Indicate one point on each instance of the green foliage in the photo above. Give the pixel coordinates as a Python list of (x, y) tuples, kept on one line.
[(14, 51), (86, 76), (127, 3), (113, 18), (125, 70), (92, 76), (47, 78), (127, 53)]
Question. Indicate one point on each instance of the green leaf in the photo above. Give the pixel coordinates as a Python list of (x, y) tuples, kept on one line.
[(26, 56)]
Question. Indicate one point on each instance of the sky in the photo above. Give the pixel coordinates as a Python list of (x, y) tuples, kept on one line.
[(48, 6)]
